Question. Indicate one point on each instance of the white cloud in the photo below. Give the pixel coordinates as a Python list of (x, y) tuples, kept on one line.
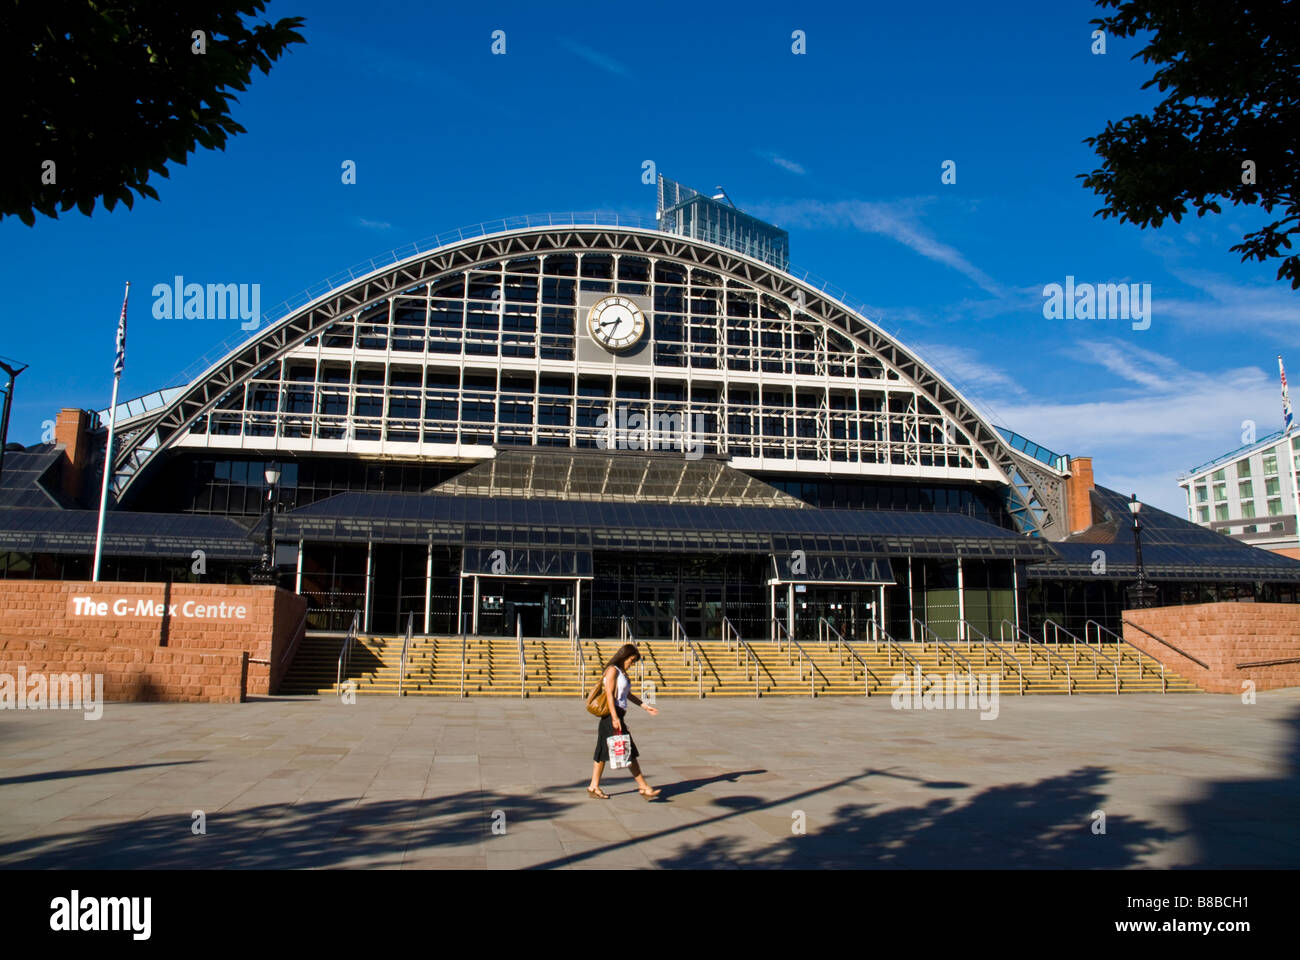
[(596, 58), (896, 220), (1156, 423), (1143, 367), (784, 164), (374, 224), (963, 368), (1272, 310)]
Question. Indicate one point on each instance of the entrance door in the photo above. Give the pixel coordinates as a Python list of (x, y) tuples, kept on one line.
[(656, 605), (542, 607), (848, 609)]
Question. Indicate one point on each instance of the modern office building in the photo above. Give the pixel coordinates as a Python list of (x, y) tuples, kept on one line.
[(1249, 494), (564, 421)]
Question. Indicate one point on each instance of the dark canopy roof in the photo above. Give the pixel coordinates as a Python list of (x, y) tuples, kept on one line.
[(605, 477), (421, 518), (1172, 549), (126, 534)]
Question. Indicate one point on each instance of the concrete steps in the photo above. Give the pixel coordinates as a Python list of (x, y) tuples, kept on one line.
[(551, 668)]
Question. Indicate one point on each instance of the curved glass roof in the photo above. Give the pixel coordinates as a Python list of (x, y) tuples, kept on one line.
[(597, 477)]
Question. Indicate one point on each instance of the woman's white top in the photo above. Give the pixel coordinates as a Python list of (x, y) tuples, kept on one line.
[(621, 686)]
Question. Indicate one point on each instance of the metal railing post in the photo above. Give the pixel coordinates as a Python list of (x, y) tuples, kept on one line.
[(401, 672), (519, 641), (345, 654)]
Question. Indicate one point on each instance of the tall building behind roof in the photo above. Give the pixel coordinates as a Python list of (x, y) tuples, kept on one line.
[(1249, 494), (689, 213)]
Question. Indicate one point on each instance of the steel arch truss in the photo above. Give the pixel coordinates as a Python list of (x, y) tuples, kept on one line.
[(1032, 489)]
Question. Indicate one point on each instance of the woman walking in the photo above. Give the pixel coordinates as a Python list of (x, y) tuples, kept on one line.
[(617, 695)]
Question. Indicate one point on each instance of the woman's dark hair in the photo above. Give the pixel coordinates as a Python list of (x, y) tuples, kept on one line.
[(625, 651)]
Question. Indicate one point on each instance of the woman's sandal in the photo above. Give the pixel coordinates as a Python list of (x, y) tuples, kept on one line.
[(649, 794), (597, 794)]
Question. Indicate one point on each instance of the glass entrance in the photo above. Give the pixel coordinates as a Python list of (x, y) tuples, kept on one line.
[(542, 607), (848, 609)]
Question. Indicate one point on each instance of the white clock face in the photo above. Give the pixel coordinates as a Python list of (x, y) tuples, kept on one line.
[(616, 323)]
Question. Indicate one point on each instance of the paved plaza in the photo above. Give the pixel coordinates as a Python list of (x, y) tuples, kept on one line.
[(1183, 781)]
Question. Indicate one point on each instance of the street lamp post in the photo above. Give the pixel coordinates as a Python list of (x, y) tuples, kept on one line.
[(264, 573), (1141, 594)]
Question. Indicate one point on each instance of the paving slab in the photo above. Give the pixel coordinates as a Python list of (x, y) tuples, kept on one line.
[(416, 783)]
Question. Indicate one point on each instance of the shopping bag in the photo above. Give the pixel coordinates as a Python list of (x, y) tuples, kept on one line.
[(620, 751)]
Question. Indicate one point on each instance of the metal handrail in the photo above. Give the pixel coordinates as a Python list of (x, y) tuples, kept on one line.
[(406, 643), (462, 660), (1002, 655), (1266, 663), (580, 656), (823, 626), (1095, 651), (791, 643), (842, 645), (1164, 684), (684, 643), (940, 642), (730, 633), (625, 636), (345, 654), (779, 628), (892, 646), (1184, 653), (519, 641), (1048, 655)]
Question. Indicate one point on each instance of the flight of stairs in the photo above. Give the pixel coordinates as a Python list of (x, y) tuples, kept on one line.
[(433, 667)]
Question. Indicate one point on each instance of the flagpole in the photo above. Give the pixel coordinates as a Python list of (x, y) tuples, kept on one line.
[(108, 445), (1290, 453)]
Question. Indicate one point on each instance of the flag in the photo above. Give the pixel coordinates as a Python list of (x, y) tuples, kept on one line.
[(120, 362), (1286, 398)]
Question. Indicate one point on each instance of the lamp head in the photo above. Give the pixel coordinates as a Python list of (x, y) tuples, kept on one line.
[(272, 474), (1134, 505)]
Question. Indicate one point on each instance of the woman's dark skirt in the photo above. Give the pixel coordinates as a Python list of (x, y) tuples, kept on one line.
[(606, 729)]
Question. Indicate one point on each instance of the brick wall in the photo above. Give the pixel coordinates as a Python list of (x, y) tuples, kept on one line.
[(133, 672), (1078, 494), (70, 431), (259, 622), (1223, 635)]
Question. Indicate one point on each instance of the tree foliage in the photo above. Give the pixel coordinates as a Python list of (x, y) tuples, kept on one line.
[(1231, 74), (113, 92)]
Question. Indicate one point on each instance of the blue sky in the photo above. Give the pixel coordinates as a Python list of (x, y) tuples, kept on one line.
[(842, 146)]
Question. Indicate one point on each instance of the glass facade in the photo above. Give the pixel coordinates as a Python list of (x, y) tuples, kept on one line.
[(487, 356), (550, 501)]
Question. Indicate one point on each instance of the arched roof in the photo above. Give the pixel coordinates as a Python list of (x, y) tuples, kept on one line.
[(1034, 485)]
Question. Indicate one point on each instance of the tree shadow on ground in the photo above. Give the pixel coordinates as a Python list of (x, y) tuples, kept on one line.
[(1047, 823), (306, 835), (1250, 823), (87, 772)]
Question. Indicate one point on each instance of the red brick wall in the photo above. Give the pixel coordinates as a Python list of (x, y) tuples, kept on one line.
[(133, 673), (1223, 635), (48, 608), (1078, 494), (70, 431)]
